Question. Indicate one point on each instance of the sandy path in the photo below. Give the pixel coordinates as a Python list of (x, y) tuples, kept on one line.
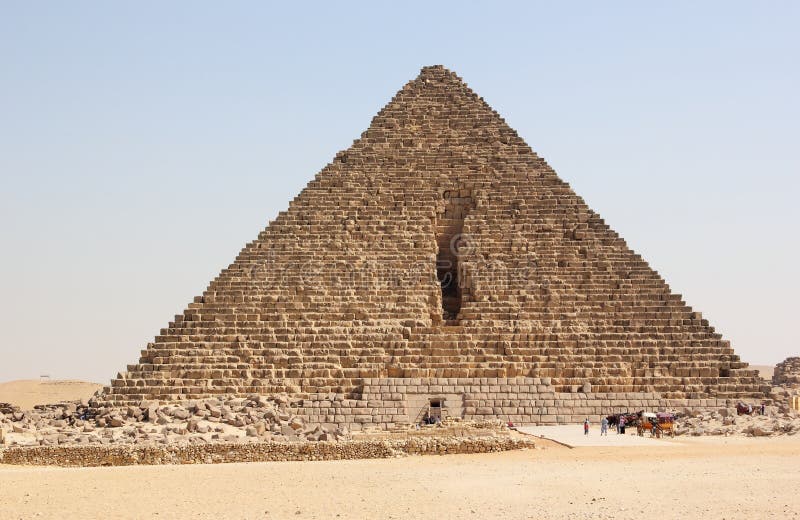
[(27, 393), (572, 435), (708, 478)]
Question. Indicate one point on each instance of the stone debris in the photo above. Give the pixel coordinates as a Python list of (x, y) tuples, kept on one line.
[(779, 419), (224, 429), (223, 419)]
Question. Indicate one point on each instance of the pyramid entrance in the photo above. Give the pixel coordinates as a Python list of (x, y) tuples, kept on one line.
[(452, 244)]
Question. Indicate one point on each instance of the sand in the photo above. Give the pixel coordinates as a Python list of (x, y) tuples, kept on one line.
[(697, 478), (694, 477), (27, 393), (572, 435)]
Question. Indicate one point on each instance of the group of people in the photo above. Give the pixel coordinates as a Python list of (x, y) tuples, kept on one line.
[(604, 426), (748, 408), (431, 419)]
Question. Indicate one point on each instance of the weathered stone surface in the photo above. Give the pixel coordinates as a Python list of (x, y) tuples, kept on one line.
[(437, 257)]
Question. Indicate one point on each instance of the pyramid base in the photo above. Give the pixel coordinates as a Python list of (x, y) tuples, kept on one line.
[(391, 403)]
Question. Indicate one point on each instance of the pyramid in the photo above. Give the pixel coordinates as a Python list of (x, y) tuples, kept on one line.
[(439, 259)]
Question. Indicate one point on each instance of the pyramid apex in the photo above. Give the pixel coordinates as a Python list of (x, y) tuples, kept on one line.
[(435, 71), (439, 74)]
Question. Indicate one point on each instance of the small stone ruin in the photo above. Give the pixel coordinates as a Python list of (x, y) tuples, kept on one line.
[(787, 373)]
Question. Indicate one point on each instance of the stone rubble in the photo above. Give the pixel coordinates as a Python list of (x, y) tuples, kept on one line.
[(225, 429), (220, 420), (779, 419), (225, 419)]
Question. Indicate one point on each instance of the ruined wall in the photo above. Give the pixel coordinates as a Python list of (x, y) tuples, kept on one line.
[(395, 402), (787, 373), (86, 456)]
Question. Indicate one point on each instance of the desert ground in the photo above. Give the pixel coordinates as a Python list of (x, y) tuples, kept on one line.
[(692, 478), (27, 393), (688, 477)]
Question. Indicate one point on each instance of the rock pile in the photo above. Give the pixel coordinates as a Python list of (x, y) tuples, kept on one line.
[(225, 429), (224, 419), (787, 373), (778, 420)]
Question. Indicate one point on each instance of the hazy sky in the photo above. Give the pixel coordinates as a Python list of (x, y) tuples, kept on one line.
[(142, 145)]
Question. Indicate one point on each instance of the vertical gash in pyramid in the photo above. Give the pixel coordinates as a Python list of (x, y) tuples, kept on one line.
[(439, 259)]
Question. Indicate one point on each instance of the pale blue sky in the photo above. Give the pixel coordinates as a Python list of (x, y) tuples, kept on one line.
[(142, 145)]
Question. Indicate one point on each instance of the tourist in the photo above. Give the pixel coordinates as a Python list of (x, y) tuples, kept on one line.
[(763, 409), (622, 424), (586, 426), (604, 426)]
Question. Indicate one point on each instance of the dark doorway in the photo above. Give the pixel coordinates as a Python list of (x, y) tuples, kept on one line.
[(435, 409)]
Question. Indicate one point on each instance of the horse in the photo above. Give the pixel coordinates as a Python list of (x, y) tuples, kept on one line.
[(631, 419), (745, 409)]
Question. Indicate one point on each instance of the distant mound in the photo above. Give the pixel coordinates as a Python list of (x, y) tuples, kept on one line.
[(28, 393), (765, 371)]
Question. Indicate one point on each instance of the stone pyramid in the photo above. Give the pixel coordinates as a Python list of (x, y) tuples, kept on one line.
[(440, 256)]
